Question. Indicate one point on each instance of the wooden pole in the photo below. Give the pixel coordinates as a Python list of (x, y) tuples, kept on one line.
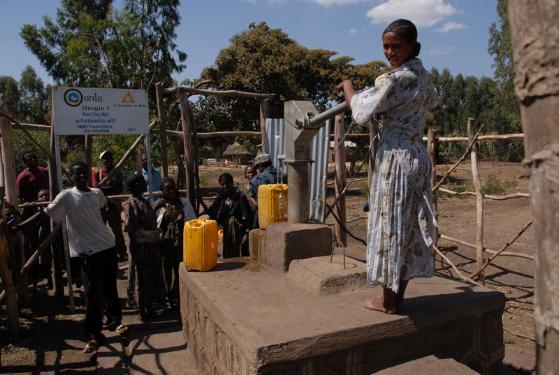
[(479, 202), (187, 139), (264, 114), (8, 281), (162, 128), (58, 247), (8, 158), (8, 161), (535, 45), (432, 149), (340, 159), (89, 156)]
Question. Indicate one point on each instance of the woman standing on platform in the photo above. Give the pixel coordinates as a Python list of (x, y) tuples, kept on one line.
[(401, 224)]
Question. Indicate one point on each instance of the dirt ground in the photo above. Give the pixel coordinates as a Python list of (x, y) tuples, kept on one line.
[(50, 335)]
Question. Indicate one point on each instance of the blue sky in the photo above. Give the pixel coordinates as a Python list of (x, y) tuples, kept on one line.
[(454, 33)]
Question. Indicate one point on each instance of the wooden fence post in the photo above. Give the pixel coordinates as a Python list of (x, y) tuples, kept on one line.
[(535, 34), (58, 246), (432, 149), (187, 140), (479, 202), (264, 114), (340, 159), (162, 128), (89, 156)]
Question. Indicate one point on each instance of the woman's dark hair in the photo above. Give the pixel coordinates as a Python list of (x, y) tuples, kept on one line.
[(134, 180), (225, 177), (406, 30)]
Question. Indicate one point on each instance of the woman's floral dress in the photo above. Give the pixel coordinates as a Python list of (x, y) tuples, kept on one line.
[(401, 223)]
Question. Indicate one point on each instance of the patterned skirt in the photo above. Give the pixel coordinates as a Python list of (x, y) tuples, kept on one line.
[(401, 222)]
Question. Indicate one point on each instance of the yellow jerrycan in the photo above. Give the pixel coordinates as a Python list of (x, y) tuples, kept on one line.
[(272, 204), (200, 245)]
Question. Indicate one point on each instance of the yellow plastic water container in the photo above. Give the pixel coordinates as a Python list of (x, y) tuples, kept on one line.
[(272, 204), (200, 245)]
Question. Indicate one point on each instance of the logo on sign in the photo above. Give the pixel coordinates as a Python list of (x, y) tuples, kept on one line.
[(128, 98), (73, 97)]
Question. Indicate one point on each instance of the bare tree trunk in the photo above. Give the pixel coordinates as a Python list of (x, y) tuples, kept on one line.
[(188, 152), (535, 42)]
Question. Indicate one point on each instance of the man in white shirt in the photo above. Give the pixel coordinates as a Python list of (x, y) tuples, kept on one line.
[(91, 240)]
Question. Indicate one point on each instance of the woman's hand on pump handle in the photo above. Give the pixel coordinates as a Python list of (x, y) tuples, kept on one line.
[(345, 90)]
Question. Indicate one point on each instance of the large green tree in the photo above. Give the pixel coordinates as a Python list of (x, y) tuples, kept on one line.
[(92, 44), (263, 59)]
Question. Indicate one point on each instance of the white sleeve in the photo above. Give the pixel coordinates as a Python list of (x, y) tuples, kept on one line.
[(374, 100), (56, 209), (102, 199)]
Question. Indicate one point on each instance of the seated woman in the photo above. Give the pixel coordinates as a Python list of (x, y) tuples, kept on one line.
[(172, 212), (145, 284), (233, 214)]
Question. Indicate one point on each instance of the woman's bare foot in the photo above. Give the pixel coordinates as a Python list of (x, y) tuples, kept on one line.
[(377, 304)]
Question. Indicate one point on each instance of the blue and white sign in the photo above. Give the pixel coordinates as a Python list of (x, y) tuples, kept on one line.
[(80, 110)]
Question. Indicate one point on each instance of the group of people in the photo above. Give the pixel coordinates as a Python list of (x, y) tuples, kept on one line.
[(401, 225), (96, 242)]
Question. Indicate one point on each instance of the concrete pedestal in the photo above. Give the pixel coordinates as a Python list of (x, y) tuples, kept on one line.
[(244, 320), (284, 242)]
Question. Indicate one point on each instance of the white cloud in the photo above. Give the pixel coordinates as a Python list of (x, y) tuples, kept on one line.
[(249, 1), (422, 12), (353, 31), (451, 26), (440, 51), (336, 2)]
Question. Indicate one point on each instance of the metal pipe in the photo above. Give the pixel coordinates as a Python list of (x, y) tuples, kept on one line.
[(328, 114)]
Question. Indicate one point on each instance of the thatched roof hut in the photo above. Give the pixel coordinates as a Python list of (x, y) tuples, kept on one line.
[(237, 153)]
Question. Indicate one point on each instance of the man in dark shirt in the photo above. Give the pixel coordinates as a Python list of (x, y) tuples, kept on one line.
[(29, 183), (113, 186), (32, 179)]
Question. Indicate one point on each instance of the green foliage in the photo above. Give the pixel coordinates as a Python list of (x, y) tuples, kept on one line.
[(266, 60), (494, 186)]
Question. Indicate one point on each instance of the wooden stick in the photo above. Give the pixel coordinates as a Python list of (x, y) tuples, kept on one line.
[(340, 179), (9, 285), (460, 275), (432, 149), (493, 197), (126, 155), (479, 201), (501, 250), (264, 114), (455, 165), (187, 141), (32, 127), (195, 91), (224, 134), (490, 251), (162, 128)]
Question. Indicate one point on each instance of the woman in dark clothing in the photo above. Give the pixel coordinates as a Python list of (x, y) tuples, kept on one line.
[(233, 214), (145, 284)]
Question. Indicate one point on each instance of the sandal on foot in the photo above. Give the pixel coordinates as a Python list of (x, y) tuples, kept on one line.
[(370, 306), (91, 347)]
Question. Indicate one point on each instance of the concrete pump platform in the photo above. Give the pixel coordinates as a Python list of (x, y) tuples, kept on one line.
[(244, 319)]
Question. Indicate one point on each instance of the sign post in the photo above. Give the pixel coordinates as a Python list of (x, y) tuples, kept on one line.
[(97, 111)]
